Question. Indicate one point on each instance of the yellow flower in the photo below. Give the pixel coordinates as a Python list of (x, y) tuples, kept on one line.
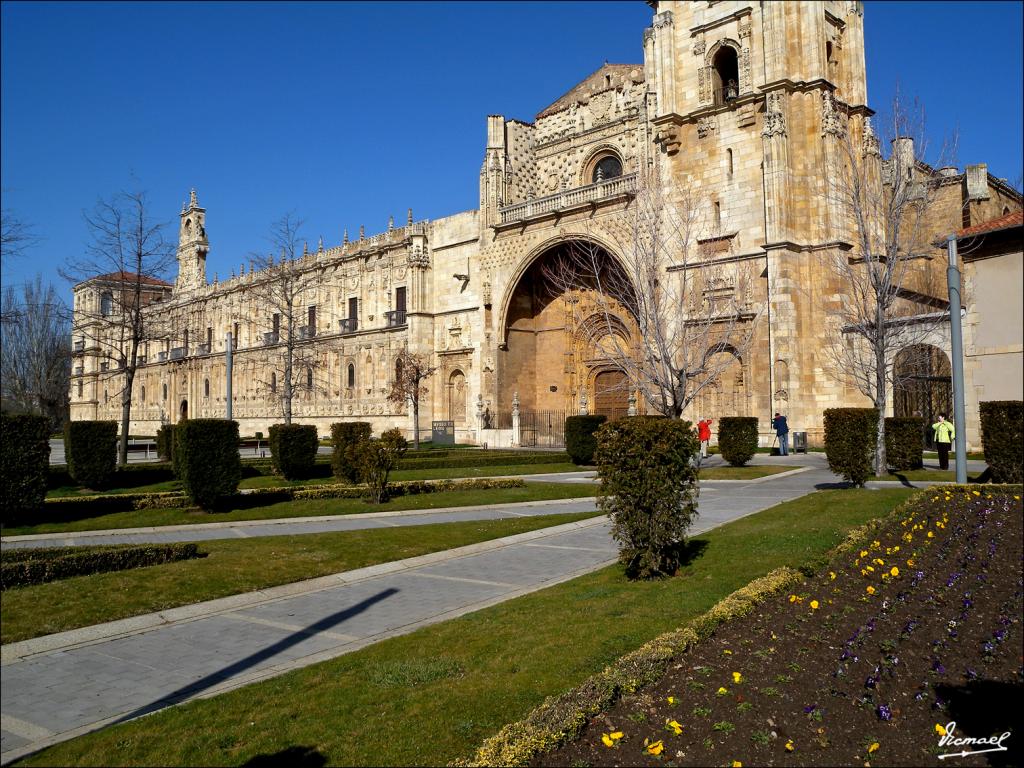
[(871, 569), (607, 740), (940, 730), (874, 746), (789, 745), (656, 748), (896, 548), (878, 561), (671, 699), (870, 590), (931, 535), (976, 493), (910, 563), (676, 727), (814, 605), (895, 571), (616, 735), (863, 553), (737, 764), (876, 544), (722, 691), (737, 677), (727, 652), (1016, 498), (793, 598), (832, 575)]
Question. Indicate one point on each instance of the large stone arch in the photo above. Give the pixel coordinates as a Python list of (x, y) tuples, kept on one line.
[(549, 334)]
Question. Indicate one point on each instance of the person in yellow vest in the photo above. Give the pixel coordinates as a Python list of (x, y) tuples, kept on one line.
[(944, 435)]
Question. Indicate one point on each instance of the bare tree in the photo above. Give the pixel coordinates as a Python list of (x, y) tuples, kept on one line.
[(16, 235), (411, 371), (668, 305), (889, 296), (286, 287), (129, 257), (35, 360)]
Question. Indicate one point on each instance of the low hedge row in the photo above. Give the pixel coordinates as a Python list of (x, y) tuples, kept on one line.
[(23, 567), (1002, 435), (400, 488), (481, 461), (562, 717)]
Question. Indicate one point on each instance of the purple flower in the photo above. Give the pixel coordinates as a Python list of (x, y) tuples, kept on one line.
[(884, 713), (971, 674)]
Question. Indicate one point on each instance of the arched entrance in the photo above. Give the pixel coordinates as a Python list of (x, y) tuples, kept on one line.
[(184, 410), (563, 335), (922, 385), (457, 398)]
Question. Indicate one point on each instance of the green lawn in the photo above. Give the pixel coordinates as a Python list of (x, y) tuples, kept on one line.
[(234, 566), (743, 473), (310, 508), (432, 696), (937, 475)]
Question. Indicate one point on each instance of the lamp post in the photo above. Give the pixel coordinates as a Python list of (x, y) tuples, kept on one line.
[(956, 336)]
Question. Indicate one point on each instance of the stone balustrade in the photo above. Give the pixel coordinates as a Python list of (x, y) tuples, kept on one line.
[(570, 198)]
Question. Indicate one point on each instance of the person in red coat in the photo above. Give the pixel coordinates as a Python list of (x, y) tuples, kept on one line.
[(704, 435)]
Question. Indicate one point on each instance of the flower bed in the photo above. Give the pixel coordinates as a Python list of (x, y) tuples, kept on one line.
[(915, 625)]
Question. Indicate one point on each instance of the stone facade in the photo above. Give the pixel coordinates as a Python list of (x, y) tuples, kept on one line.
[(738, 102)]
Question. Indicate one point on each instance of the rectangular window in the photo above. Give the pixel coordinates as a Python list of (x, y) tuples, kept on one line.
[(311, 321), (277, 323), (400, 299), (234, 337), (353, 308), (209, 339)]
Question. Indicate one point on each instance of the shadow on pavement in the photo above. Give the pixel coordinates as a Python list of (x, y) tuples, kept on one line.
[(190, 690)]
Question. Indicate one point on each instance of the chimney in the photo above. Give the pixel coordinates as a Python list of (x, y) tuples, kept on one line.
[(977, 181)]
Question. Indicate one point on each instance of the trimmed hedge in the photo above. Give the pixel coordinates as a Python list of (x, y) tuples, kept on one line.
[(737, 439), (580, 442), (24, 462), (1002, 436), (649, 487), (293, 450), (23, 567), (904, 442), (207, 459), (345, 436), (90, 448), (851, 435), (165, 443), (483, 460)]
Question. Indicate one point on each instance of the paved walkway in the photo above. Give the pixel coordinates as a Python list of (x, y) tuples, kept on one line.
[(64, 685)]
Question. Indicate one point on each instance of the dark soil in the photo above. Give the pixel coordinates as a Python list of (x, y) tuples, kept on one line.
[(939, 642)]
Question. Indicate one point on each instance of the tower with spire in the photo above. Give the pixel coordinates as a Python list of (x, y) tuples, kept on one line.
[(192, 246)]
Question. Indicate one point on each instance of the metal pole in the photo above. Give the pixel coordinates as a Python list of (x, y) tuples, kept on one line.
[(956, 336), (228, 358)]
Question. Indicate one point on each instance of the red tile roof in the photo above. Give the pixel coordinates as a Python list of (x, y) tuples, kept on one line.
[(130, 277), (1006, 221)]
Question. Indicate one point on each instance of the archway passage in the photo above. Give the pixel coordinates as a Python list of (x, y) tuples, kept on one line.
[(923, 386), (564, 326), (457, 398), (184, 410)]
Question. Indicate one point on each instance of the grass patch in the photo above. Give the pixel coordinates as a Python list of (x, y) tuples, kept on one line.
[(742, 473), (512, 656), (310, 508), (233, 566)]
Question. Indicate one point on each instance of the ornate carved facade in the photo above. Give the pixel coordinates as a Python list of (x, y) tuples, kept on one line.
[(734, 100)]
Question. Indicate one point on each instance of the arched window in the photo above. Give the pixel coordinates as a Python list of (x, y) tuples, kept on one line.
[(206, 387), (79, 390), (725, 75), (273, 382), (922, 384), (106, 397), (106, 303), (398, 369), (165, 391), (142, 394), (728, 158), (309, 378), (350, 381), (608, 167)]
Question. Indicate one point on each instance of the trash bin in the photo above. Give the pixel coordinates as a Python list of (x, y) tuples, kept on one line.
[(799, 442)]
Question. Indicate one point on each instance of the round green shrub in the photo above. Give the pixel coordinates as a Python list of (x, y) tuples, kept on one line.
[(851, 435), (904, 442), (207, 460), (737, 439), (649, 487), (1002, 439), (580, 442), (376, 458), (293, 450), (24, 462), (90, 448), (345, 436)]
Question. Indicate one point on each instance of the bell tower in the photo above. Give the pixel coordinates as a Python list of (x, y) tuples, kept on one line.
[(192, 246)]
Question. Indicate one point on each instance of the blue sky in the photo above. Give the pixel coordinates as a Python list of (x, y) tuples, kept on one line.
[(348, 113)]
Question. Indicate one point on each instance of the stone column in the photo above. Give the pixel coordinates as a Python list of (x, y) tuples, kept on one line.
[(515, 419)]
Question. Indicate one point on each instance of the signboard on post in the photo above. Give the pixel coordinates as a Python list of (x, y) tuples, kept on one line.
[(442, 433)]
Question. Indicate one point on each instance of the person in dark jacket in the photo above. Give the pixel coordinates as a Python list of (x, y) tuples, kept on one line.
[(782, 431)]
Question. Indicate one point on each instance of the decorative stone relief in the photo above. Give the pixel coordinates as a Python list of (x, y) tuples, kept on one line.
[(774, 118), (704, 84), (745, 81), (699, 46), (705, 126), (870, 144), (744, 27), (831, 122)]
